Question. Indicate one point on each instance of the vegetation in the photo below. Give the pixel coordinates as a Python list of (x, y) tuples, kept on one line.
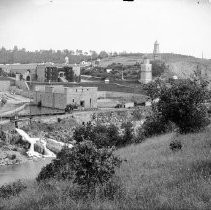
[(153, 177), (22, 56), (13, 189), (158, 68), (85, 164), (105, 136), (70, 107), (181, 102)]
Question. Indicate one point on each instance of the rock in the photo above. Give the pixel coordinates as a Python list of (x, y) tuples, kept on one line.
[(53, 146), (38, 147)]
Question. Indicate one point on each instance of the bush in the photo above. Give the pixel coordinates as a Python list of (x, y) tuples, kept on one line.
[(70, 107), (12, 189), (101, 135), (182, 104), (155, 124), (84, 164), (175, 145), (128, 134)]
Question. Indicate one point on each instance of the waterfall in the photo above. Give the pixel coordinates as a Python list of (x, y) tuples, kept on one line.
[(32, 141)]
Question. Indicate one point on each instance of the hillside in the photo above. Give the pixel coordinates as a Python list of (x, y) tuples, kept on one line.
[(180, 65), (152, 177)]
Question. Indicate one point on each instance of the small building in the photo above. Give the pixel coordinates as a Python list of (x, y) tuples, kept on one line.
[(128, 104), (107, 81), (59, 96)]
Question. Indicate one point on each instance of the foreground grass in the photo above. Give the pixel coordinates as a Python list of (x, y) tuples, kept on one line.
[(153, 177)]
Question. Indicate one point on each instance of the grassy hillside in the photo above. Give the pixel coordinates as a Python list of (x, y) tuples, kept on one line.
[(180, 65), (153, 177)]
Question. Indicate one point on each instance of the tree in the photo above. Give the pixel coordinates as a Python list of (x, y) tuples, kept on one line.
[(94, 55), (153, 89), (183, 104), (103, 54), (158, 68), (84, 164)]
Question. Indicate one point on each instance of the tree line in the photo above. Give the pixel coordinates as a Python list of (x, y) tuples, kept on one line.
[(16, 55)]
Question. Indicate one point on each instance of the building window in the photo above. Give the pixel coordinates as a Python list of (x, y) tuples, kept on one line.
[(73, 100), (76, 90), (82, 90), (87, 89)]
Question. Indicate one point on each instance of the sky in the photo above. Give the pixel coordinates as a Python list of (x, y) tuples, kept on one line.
[(180, 26)]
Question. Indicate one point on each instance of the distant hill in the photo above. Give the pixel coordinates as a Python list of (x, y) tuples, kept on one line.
[(180, 65)]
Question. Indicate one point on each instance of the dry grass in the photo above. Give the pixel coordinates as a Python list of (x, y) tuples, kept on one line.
[(153, 177)]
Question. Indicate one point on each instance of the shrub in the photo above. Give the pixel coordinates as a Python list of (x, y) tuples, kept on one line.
[(155, 124), (70, 107), (175, 145), (182, 104), (12, 189), (84, 164), (101, 135), (128, 134)]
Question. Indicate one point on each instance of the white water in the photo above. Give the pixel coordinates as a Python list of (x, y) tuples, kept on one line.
[(32, 141)]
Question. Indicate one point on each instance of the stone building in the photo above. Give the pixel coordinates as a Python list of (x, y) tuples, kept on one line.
[(27, 71), (58, 72), (47, 73), (59, 96), (156, 50), (146, 72)]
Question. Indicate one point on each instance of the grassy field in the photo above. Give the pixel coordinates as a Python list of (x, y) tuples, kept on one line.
[(153, 177)]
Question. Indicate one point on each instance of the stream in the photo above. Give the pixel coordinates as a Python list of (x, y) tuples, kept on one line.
[(27, 171)]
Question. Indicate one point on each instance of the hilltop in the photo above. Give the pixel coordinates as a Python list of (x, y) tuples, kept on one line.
[(180, 65)]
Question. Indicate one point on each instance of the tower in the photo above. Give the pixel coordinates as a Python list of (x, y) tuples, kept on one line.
[(146, 72), (66, 60), (156, 50)]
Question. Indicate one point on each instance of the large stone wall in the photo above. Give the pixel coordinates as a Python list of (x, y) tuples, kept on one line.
[(59, 100), (86, 94)]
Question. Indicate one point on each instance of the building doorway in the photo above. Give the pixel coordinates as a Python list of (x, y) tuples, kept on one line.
[(82, 103), (28, 78)]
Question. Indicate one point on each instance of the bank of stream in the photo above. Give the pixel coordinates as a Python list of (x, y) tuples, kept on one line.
[(25, 171)]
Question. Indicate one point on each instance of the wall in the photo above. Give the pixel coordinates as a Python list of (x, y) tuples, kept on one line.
[(40, 73), (116, 95), (83, 94), (4, 85), (59, 100), (58, 97)]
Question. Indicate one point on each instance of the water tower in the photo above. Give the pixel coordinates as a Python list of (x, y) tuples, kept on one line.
[(156, 50), (146, 72)]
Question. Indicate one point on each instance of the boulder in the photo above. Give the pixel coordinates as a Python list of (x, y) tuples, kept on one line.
[(38, 147)]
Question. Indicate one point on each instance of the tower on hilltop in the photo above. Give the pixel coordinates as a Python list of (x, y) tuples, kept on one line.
[(156, 50)]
